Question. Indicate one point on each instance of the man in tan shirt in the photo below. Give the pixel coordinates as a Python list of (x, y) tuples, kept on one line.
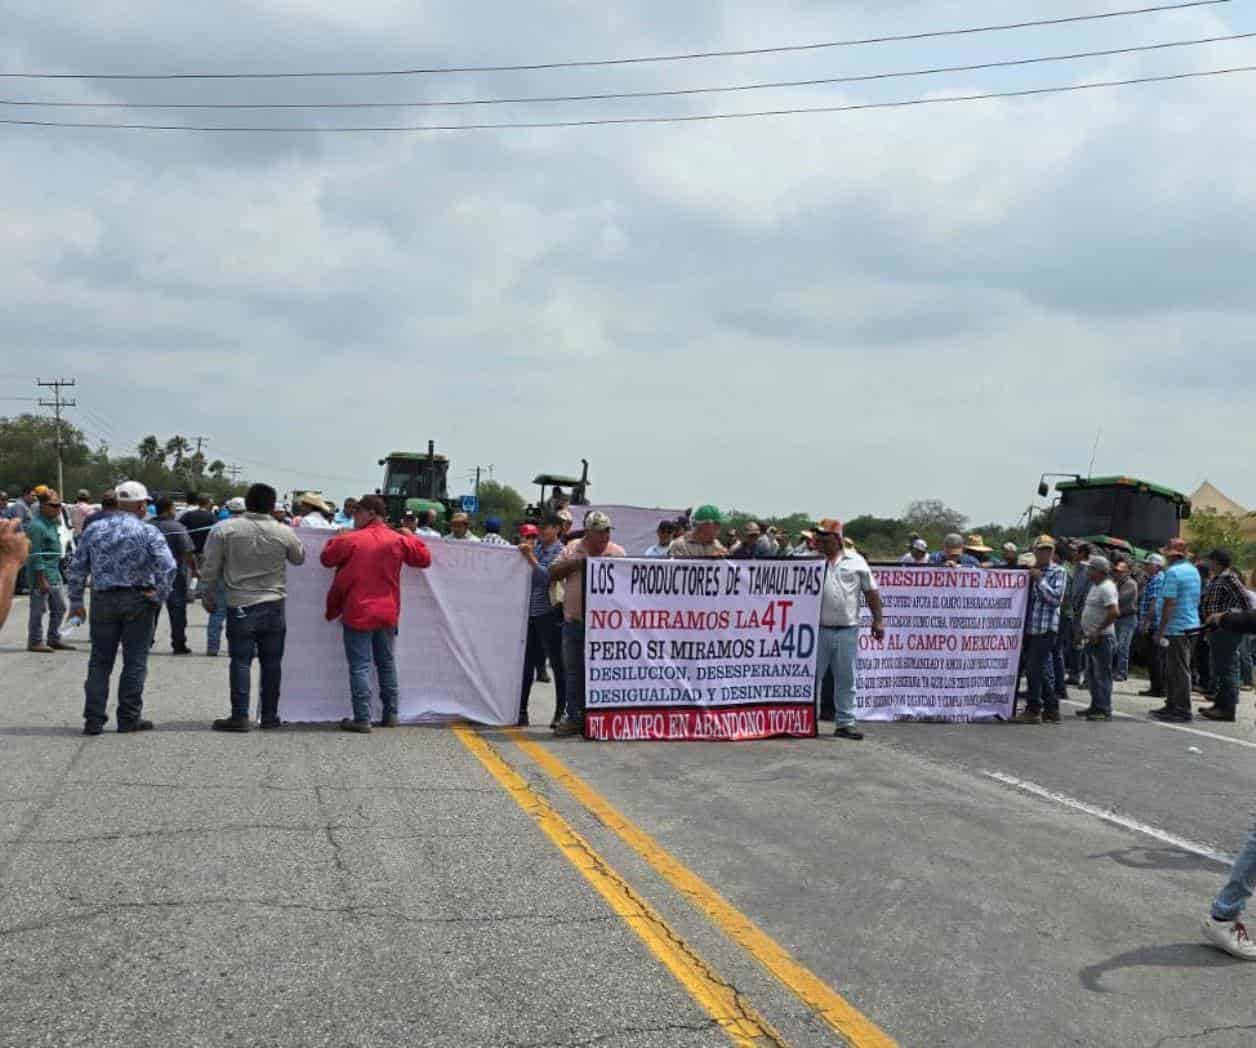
[(568, 567), (702, 541), (250, 553)]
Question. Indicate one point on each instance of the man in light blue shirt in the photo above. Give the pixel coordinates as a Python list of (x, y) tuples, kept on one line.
[(132, 571), (1178, 616)]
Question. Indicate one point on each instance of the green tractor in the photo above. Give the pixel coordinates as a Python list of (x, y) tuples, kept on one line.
[(1118, 514), (414, 482), (576, 493)]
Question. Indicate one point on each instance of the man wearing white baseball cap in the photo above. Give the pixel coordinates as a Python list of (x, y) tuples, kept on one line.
[(131, 571), (917, 552)]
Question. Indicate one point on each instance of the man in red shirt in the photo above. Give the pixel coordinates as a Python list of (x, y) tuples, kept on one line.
[(366, 596)]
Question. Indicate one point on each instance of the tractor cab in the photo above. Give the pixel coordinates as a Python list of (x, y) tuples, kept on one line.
[(574, 488), (414, 481)]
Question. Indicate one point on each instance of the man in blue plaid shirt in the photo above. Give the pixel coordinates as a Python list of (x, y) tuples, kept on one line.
[(1042, 623)]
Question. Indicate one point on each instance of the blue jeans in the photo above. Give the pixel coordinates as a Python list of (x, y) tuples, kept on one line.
[(1100, 655), (1040, 653), (573, 663), (217, 618), (1125, 629), (257, 631), (362, 648), (1245, 660), (118, 617), (1230, 902), (177, 609), (1223, 646), (545, 638), (837, 650), (52, 602)]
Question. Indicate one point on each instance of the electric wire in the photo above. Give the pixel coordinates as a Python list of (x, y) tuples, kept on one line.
[(672, 93), (638, 60), (675, 119)]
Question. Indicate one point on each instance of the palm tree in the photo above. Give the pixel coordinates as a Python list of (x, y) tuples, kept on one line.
[(176, 448), (217, 468), (150, 451)]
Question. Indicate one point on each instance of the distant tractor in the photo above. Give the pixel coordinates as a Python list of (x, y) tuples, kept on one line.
[(576, 488), (1117, 513), (414, 481)]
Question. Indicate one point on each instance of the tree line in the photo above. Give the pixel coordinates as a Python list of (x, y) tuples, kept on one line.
[(28, 456)]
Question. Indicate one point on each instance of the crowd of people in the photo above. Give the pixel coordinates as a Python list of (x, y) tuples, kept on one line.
[(1195, 615)]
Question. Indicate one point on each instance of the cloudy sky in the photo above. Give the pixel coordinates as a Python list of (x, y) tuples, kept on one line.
[(835, 313)]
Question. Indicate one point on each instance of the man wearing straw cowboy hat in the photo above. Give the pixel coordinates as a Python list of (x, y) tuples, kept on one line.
[(976, 546), (1042, 622)]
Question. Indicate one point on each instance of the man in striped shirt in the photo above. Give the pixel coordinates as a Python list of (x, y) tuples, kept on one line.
[(540, 548), (1042, 623)]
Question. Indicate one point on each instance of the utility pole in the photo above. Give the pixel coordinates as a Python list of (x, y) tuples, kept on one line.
[(199, 460), (234, 470), (57, 403)]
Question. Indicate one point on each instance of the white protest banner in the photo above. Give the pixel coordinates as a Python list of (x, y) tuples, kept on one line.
[(700, 649), (459, 646), (635, 528), (952, 644)]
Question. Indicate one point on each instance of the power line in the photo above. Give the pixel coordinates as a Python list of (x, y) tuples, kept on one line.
[(587, 63), (607, 96), (681, 119)]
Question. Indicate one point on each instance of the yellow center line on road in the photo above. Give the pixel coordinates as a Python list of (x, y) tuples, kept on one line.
[(721, 1001), (858, 1030)]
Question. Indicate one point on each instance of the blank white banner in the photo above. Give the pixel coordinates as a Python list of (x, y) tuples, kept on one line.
[(459, 647)]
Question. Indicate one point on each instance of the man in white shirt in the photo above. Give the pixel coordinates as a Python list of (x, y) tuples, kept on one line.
[(847, 578), (460, 529), (917, 552), (1100, 611), (315, 512), (427, 525)]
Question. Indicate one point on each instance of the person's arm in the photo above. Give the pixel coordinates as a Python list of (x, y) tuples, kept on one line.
[(1051, 588), (164, 566), (566, 565), (187, 551), (296, 548), (41, 553), (211, 569), (14, 549), (1111, 613), (873, 597), (416, 553), (1235, 621), (1167, 605), (336, 552)]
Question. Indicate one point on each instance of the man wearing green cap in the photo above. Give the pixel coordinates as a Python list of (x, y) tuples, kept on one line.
[(703, 540)]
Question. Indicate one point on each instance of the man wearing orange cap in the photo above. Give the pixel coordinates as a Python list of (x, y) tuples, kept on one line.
[(847, 578)]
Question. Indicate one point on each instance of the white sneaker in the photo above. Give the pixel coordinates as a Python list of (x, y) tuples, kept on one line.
[(1230, 936)]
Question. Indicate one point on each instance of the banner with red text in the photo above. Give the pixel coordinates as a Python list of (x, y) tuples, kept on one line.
[(700, 649), (952, 644)]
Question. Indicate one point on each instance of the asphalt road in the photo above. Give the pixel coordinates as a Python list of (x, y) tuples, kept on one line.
[(954, 885)]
